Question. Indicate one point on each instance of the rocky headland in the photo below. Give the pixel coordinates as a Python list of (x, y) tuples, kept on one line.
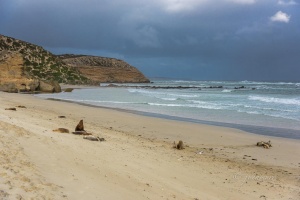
[(26, 67), (102, 69)]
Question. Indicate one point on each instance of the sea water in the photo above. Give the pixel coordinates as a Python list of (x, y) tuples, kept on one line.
[(272, 106)]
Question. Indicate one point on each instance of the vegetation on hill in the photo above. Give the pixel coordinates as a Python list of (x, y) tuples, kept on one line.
[(103, 69), (41, 64)]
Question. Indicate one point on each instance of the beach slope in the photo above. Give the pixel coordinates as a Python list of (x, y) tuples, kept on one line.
[(137, 160)]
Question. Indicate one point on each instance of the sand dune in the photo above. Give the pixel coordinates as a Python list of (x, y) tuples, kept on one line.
[(137, 160)]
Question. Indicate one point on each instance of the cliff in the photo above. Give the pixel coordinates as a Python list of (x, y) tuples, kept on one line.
[(102, 69), (13, 79), (11, 76)]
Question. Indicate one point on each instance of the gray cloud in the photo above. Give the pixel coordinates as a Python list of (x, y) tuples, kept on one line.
[(196, 39)]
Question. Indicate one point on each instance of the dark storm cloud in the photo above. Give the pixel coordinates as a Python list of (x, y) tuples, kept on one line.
[(197, 39)]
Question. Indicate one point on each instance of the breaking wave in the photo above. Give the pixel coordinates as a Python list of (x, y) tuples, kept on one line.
[(275, 100)]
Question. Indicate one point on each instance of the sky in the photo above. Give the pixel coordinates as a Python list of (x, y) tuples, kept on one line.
[(255, 40)]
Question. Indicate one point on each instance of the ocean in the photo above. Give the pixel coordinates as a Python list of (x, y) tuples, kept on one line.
[(268, 108)]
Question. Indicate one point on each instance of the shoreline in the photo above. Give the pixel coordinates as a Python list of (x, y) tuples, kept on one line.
[(259, 130), (137, 159)]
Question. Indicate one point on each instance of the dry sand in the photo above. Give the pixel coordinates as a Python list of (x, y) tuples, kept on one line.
[(137, 160)]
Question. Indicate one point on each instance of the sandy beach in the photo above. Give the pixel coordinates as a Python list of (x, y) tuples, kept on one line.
[(137, 160)]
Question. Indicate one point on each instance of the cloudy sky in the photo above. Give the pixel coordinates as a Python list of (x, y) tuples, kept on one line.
[(184, 39)]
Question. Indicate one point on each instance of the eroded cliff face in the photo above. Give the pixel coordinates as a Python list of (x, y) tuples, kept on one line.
[(11, 65), (12, 78), (101, 69)]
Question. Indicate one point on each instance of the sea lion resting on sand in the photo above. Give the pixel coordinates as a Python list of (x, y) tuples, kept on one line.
[(80, 126), (179, 145), (93, 138), (263, 144), (81, 133), (14, 109), (61, 130)]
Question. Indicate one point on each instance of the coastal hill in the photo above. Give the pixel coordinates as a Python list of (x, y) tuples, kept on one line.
[(27, 67), (102, 69)]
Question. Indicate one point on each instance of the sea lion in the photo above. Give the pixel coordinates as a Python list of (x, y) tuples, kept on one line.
[(81, 133), (179, 145), (263, 144), (93, 138), (90, 137), (260, 143), (80, 126), (14, 109), (61, 130)]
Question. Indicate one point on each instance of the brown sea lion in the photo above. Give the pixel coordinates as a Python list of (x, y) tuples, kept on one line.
[(61, 130), (265, 145), (80, 126), (81, 133), (14, 109), (179, 145)]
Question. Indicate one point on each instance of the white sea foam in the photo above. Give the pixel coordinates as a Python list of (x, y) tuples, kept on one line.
[(184, 95), (275, 100), (159, 94), (263, 87), (197, 101), (167, 105), (279, 109), (144, 91), (205, 106), (268, 114), (283, 116), (226, 90), (253, 112), (149, 93), (169, 99), (183, 81)]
